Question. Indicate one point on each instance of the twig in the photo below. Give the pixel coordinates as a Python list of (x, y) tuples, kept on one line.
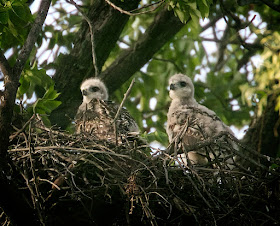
[(25, 177), (70, 148), (23, 128), (272, 5), (124, 99), (74, 183), (146, 6), (53, 184), (94, 59), (120, 108), (116, 132), (198, 191), (37, 196), (169, 61), (129, 13)]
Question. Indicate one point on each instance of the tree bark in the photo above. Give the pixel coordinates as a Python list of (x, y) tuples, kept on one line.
[(76, 66), (263, 134), (163, 28), (11, 199), (72, 69)]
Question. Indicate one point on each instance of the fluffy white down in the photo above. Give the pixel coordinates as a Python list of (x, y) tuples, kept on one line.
[(184, 107), (101, 94), (182, 98), (95, 104)]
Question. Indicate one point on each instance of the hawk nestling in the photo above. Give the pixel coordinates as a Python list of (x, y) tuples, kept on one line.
[(189, 123), (96, 114)]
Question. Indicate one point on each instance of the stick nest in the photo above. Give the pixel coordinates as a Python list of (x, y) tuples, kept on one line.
[(78, 179)]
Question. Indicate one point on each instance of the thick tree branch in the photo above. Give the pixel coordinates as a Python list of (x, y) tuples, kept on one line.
[(90, 24), (271, 5), (72, 69), (32, 37), (164, 27), (10, 196), (108, 24), (12, 75), (4, 64), (261, 135)]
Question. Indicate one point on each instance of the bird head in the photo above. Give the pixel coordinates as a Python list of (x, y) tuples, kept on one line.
[(93, 88), (181, 87)]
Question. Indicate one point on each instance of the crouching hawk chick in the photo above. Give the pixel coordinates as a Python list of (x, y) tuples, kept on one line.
[(96, 114), (189, 124)]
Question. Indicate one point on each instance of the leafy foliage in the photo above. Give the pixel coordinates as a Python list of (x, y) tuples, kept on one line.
[(193, 10), (34, 81), (217, 48), (15, 19), (230, 49)]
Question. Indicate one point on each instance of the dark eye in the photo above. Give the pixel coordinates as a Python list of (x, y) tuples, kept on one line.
[(93, 89), (183, 84)]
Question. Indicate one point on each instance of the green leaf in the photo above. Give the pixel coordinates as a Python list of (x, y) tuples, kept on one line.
[(33, 79), (51, 94), (19, 11), (45, 106), (157, 136), (277, 106), (203, 8), (274, 166), (181, 15), (12, 28), (4, 17), (24, 86), (192, 5), (46, 120), (50, 105)]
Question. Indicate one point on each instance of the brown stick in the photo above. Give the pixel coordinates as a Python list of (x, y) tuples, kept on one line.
[(94, 59)]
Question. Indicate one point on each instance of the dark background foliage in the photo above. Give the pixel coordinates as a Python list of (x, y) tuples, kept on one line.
[(229, 48)]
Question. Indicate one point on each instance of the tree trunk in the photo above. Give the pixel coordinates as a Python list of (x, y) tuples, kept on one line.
[(263, 134), (76, 66), (72, 69)]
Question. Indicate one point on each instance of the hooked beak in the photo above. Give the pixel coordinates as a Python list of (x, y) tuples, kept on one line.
[(172, 87), (85, 93)]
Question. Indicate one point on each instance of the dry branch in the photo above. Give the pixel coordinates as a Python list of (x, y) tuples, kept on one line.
[(108, 24), (10, 195), (131, 13), (131, 60), (32, 37), (90, 24), (93, 176)]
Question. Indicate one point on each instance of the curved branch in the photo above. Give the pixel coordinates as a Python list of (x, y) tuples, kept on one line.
[(72, 69), (4, 64), (32, 37), (10, 196), (271, 5), (90, 24), (76, 66), (12, 75), (261, 134), (130, 13), (164, 27)]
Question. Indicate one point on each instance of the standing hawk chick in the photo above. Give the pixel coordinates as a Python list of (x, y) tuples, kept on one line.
[(189, 123), (96, 114)]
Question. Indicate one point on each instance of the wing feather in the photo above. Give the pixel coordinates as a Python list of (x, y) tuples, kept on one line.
[(97, 119)]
